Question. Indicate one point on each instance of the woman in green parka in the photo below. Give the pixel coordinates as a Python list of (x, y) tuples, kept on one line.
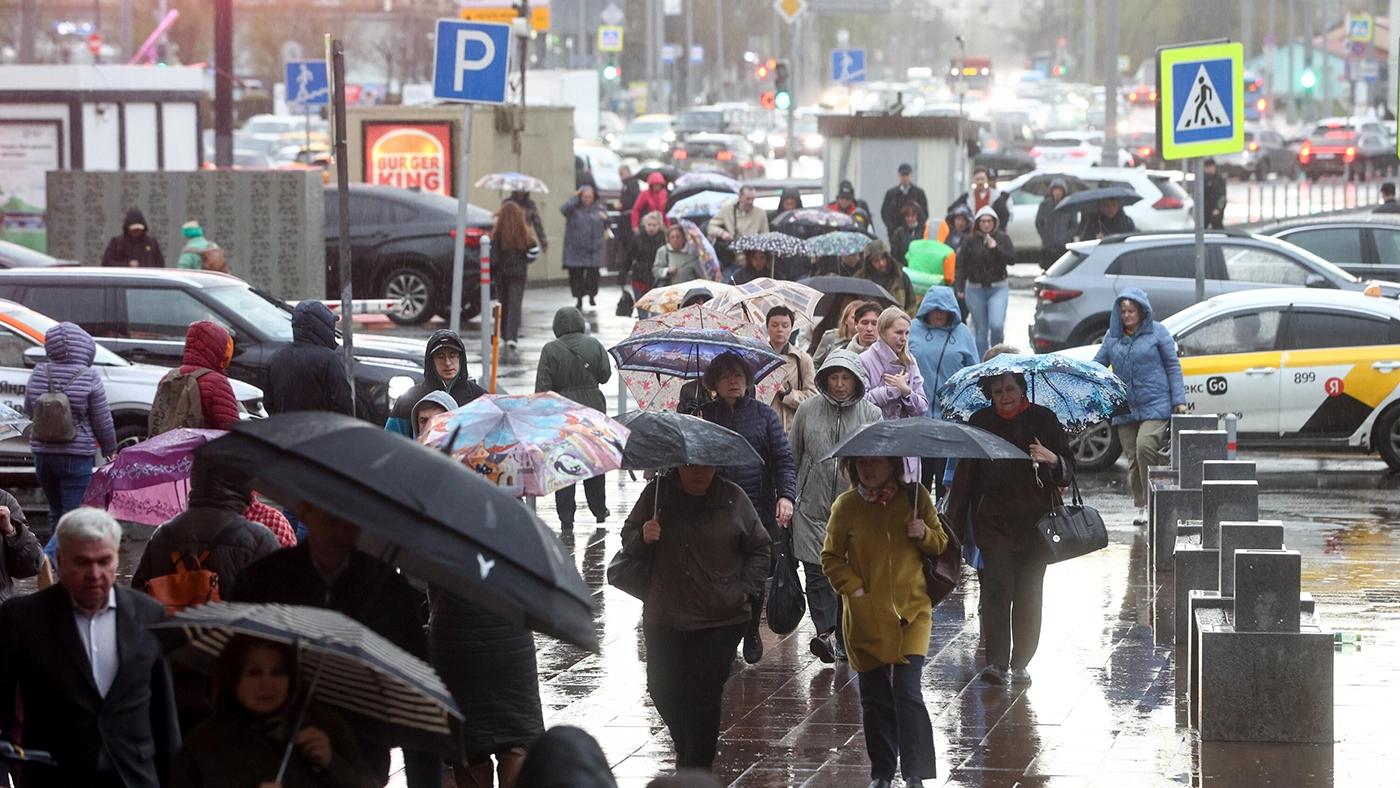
[(575, 365)]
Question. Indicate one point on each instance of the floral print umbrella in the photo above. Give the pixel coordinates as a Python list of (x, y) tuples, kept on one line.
[(668, 298), (752, 300), (708, 258), (704, 204), (149, 482), (777, 244), (656, 364), (512, 182), (530, 444), (837, 244), (1080, 393), (808, 222)]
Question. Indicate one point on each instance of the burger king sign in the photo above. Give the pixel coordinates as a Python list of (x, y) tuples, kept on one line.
[(409, 155)]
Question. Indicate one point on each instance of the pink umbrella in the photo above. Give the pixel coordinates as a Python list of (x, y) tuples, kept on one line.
[(149, 482)]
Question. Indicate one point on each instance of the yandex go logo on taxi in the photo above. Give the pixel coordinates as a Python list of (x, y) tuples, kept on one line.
[(409, 156)]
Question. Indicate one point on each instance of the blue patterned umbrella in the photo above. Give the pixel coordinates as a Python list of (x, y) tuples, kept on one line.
[(512, 182), (837, 244), (697, 205), (1080, 393)]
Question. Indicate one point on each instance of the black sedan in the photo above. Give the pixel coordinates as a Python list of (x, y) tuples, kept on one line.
[(401, 246)]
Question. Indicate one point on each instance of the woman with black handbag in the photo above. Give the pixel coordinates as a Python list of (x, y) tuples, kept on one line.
[(1006, 499), (873, 556), (706, 558)]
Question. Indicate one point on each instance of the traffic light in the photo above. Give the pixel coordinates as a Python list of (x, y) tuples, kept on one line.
[(610, 72), (782, 96), (1307, 80), (768, 100)]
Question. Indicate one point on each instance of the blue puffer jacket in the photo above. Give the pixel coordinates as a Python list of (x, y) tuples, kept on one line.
[(1145, 361), (940, 352), (70, 352), (759, 424)]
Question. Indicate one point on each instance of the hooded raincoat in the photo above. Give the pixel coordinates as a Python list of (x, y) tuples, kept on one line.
[(583, 232), (1145, 361), (309, 374), (821, 423), (651, 199), (893, 278), (70, 352), (979, 263), (144, 248), (208, 346), (462, 388), (574, 364), (940, 352), (1056, 228)]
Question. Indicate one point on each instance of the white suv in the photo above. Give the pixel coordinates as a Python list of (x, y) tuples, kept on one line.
[(1164, 205)]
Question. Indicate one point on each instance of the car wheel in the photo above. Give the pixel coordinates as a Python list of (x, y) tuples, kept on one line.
[(130, 435), (413, 288), (1261, 173), (1386, 437), (1096, 448), (1088, 334)]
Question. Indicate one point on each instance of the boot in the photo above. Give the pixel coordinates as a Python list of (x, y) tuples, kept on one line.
[(479, 775), (508, 766)]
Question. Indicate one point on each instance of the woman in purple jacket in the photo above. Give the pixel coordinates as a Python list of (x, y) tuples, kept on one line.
[(64, 469), (892, 378)]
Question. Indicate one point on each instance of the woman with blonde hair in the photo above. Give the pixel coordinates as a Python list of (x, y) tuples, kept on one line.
[(892, 378), (513, 248), (875, 542)]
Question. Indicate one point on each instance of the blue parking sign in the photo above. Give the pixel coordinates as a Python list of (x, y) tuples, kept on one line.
[(308, 83), (471, 61)]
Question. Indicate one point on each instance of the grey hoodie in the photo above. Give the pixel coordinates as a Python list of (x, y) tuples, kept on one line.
[(440, 398), (821, 423)]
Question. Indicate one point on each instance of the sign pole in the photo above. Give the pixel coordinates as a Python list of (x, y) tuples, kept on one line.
[(459, 250), (1200, 229), (487, 345), (342, 180)]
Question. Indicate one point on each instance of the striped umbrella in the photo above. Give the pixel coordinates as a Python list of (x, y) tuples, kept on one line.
[(343, 663)]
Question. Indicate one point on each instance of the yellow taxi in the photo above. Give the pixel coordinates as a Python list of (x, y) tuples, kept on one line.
[(1303, 368)]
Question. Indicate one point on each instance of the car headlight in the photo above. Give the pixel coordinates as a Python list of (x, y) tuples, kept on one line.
[(399, 385), (654, 144), (812, 142), (669, 136), (776, 140)]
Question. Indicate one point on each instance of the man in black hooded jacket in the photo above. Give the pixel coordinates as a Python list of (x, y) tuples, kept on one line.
[(444, 369), (308, 374), (135, 247)]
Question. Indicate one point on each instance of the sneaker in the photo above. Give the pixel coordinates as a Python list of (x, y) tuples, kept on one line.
[(994, 674), (510, 343), (1019, 676), (822, 650), (1141, 518), (753, 646)]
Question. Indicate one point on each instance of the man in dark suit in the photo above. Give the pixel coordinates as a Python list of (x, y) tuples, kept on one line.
[(94, 685), (896, 197)]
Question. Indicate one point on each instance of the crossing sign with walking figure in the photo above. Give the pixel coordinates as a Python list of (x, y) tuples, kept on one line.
[(308, 83), (1201, 106)]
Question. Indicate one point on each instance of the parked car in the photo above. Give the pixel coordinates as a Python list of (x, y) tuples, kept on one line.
[(700, 120), (12, 255), (1309, 369), (1005, 140), (1143, 147), (1074, 297), (130, 388), (401, 241), (728, 153), (810, 142), (1164, 205), (1364, 245), (1143, 94), (646, 137), (142, 314), (1073, 148), (1341, 145), (1265, 152)]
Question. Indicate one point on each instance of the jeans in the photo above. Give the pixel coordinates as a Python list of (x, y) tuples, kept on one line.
[(1013, 590), (511, 291), (1142, 443), (988, 306), (637, 294), (63, 478), (822, 601), (897, 725), (595, 490), (686, 673)]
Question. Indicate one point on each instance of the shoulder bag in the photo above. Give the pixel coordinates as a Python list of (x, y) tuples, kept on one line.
[(942, 572), (1071, 530)]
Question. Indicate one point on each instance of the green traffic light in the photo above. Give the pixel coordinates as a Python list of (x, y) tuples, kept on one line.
[(610, 72), (782, 100), (1308, 80)]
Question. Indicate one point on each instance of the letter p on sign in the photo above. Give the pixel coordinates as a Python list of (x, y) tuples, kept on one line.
[(471, 61), (463, 64)]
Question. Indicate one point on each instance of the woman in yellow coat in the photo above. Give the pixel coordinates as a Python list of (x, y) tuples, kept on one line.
[(872, 557)]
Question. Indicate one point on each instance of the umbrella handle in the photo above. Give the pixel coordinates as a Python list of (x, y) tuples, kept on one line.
[(301, 718)]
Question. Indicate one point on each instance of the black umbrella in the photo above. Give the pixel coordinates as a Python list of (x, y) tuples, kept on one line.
[(834, 287), (667, 172), (419, 510), (1090, 199), (926, 438), (340, 661), (9, 752), (664, 439)]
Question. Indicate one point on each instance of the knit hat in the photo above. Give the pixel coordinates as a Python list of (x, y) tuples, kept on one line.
[(191, 229)]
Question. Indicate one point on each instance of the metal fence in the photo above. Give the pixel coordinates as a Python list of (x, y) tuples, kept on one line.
[(1280, 199)]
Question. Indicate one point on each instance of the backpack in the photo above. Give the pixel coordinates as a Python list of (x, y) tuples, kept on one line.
[(53, 413), (177, 403), (188, 586), (211, 257)]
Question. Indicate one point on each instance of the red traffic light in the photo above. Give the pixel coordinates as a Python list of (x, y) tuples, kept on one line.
[(768, 100), (771, 64)]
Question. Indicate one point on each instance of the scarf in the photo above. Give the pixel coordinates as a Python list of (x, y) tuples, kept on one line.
[(882, 495), (1021, 407)]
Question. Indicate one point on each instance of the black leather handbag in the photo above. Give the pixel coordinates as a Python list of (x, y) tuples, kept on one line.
[(1071, 530), (786, 601), (625, 304), (632, 576)]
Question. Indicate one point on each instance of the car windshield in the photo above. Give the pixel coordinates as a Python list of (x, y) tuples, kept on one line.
[(448, 205), (1331, 269), (701, 121), (647, 126), (42, 324), (264, 312)]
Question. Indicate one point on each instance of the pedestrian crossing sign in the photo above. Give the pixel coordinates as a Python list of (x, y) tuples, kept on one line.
[(1201, 106)]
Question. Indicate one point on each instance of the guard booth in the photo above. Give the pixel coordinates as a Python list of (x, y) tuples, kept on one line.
[(867, 151)]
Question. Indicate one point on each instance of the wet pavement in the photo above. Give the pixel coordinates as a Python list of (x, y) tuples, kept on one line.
[(1102, 710)]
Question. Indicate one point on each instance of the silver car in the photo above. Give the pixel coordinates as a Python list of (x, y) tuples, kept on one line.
[(1074, 297)]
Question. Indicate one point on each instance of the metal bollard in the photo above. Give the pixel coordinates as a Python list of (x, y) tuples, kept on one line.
[(621, 394), (1232, 423)]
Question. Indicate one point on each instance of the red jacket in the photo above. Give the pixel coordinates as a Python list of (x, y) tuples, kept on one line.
[(651, 200), (208, 346)]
